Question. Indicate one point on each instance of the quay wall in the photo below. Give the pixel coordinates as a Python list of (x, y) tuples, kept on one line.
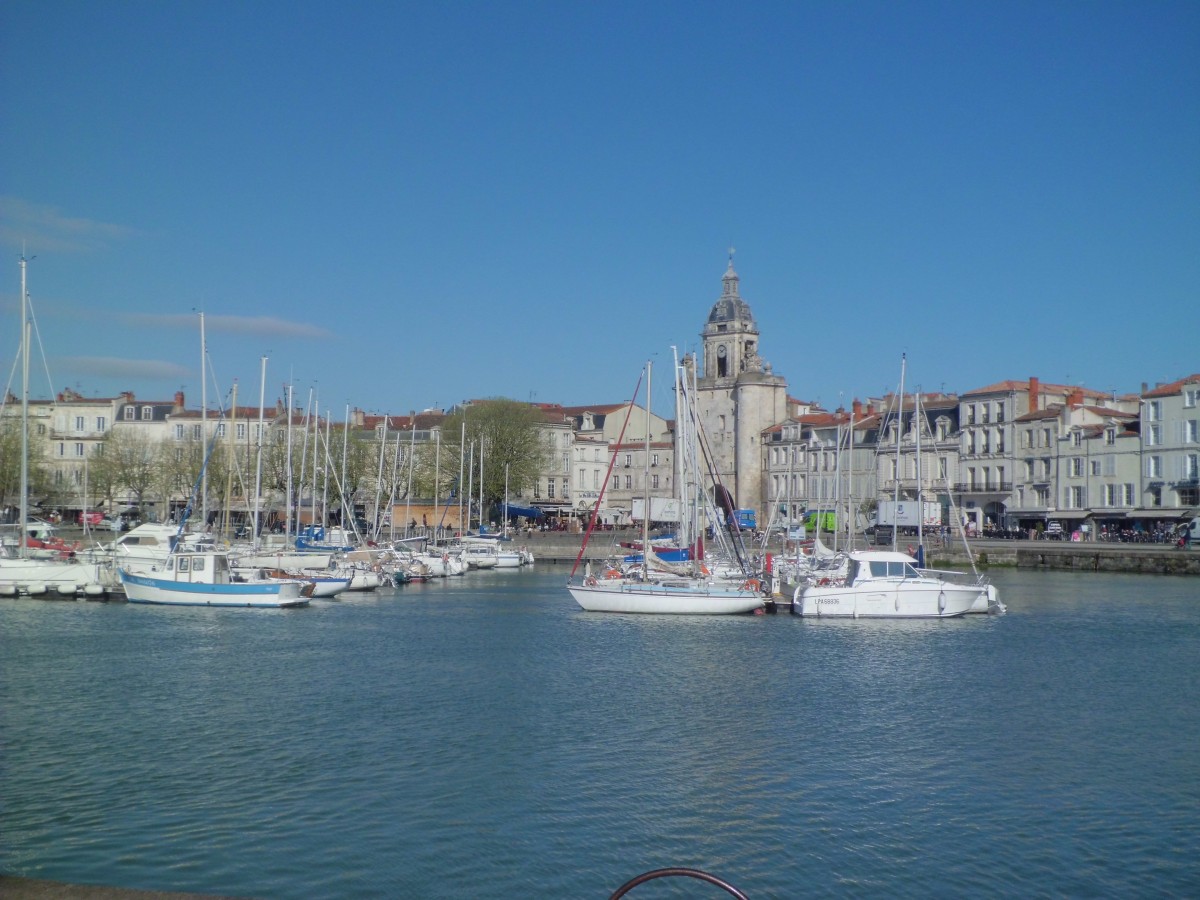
[(561, 548)]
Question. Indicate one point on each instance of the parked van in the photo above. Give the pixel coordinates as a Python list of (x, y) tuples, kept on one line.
[(1189, 532)]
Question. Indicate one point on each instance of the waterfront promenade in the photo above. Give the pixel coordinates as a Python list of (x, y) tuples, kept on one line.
[(561, 547)]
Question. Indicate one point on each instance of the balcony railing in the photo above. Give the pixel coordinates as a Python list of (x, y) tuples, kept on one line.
[(995, 487)]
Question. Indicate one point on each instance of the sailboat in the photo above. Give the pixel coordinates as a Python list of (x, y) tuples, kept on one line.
[(653, 586), (66, 575)]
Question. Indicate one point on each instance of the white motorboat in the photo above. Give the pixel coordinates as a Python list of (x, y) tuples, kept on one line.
[(887, 584), (204, 578)]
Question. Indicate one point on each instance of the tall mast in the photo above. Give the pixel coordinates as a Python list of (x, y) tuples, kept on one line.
[(23, 537), (262, 397), (646, 484), (287, 514), (203, 424), (899, 425)]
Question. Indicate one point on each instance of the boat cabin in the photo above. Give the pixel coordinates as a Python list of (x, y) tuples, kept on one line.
[(880, 567), (198, 568)]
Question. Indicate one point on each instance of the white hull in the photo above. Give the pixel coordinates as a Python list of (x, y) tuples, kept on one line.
[(272, 594), (292, 560), (22, 573), (508, 560), (686, 600), (887, 601)]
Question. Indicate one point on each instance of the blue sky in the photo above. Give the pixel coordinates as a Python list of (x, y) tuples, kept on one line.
[(408, 205)]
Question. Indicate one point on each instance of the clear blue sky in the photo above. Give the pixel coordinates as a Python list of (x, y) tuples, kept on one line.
[(407, 205)]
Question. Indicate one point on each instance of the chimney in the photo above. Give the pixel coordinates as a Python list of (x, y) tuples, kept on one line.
[(1075, 398), (127, 396), (1035, 401), (178, 402), (857, 407), (1145, 387)]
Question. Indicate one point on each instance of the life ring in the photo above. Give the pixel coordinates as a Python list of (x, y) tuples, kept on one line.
[(612, 573), (590, 581), (822, 582), (751, 584)]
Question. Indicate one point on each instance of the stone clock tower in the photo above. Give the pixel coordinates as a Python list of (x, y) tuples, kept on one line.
[(737, 395)]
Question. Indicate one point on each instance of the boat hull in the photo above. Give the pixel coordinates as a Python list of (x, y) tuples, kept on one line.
[(635, 597), (266, 594), (887, 601)]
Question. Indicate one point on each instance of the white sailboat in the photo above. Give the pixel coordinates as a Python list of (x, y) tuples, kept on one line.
[(657, 592), (19, 572)]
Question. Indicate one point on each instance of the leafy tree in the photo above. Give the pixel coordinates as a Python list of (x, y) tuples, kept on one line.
[(128, 459), (39, 473), (510, 435)]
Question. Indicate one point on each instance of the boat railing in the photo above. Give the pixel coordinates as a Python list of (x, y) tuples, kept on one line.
[(954, 577)]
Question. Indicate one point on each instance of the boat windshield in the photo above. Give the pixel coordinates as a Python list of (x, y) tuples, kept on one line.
[(881, 569)]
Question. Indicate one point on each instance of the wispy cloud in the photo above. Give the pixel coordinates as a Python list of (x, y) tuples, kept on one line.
[(114, 367), (262, 326), (41, 227)]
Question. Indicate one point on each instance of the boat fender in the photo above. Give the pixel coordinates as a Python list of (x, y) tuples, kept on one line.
[(751, 584), (822, 582), (941, 601)]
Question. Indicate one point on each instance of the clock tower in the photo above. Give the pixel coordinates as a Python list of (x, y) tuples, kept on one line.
[(737, 396)]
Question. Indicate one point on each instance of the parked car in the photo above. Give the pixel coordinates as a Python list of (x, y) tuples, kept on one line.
[(92, 517)]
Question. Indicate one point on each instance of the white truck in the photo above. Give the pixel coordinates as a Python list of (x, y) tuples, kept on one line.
[(908, 513)]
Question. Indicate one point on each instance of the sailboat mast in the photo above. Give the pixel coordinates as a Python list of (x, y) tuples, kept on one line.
[(287, 513), (920, 504), (23, 537), (899, 425), (262, 398), (646, 483), (203, 424)]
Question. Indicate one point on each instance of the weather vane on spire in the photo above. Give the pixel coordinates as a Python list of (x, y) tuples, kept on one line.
[(732, 251)]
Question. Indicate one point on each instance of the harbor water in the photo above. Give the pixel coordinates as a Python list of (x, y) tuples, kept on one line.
[(482, 737)]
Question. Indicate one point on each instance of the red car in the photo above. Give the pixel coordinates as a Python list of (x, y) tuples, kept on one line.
[(93, 518)]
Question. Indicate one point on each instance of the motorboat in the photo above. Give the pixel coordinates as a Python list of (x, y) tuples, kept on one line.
[(888, 584), (205, 578)]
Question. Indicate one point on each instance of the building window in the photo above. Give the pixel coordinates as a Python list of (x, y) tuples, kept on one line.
[(79, 423), (1095, 467), (1076, 438), (628, 460), (179, 432), (1127, 500), (1000, 411), (1189, 431), (1154, 411), (654, 481), (195, 432), (1191, 466), (1189, 397), (62, 449), (147, 413), (1154, 467), (1108, 495), (654, 458), (129, 413), (221, 433), (1110, 436), (549, 488), (629, 482), (101, 422), (79, 449), (241, 431), (1076, 497), (1154, 436)]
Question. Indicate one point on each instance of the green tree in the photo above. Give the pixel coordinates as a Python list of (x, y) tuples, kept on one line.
[(40, 476), (511, 437)]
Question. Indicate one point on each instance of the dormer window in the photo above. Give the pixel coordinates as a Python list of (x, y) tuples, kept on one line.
[(128, 413), (147, 413)]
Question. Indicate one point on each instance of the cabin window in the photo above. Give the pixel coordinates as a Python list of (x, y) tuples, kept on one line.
[(198, 564), (185, 564)]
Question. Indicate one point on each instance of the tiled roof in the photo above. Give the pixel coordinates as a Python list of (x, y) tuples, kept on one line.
[(1175, 387)]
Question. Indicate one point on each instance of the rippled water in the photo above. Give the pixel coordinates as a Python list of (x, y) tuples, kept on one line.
[(481, 737)]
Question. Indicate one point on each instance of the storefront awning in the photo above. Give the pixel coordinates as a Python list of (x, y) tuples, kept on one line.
[(529, 512)]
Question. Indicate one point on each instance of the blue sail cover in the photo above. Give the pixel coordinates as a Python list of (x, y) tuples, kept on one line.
[(529, 512)]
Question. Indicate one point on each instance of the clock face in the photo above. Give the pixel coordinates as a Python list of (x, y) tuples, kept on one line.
[(721, 350)]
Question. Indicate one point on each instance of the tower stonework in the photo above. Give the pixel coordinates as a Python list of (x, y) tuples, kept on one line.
[(737, 396)]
